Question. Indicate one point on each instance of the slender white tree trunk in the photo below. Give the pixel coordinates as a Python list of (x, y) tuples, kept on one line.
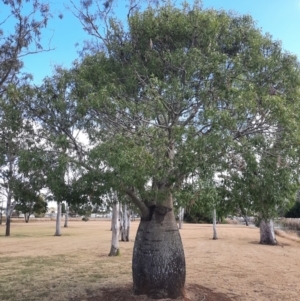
[(121, 217), (58, 220), (10, 206), (215, 236), (27, 217), (180, 215), (114, 250), (132, 215), (66, 216), (125, 223), (112, 220), (267, 233)]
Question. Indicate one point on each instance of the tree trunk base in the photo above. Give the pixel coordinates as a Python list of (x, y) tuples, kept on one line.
[(267, 233), (114, 251), (158, 264)]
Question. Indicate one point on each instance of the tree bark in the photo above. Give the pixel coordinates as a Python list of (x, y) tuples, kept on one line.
[(120, 221), (158, 264), (66, 216), (125, 223), (180, 215), (7, 230), (114, 250), (246, 220), (27, 216), (215, 236), (9, 210), (58, 220), (267, 233)]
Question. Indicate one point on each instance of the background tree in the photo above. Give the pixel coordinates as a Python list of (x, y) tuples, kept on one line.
[(21, 33), (63, 208), (115, 224), (29, 202), (267, 181), (124, 216), (294, 211), (15, 138)]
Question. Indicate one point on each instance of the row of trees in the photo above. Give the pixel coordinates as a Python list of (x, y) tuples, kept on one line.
[(183, 104)]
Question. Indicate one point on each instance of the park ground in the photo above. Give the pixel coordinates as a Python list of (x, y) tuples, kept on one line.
[(35, 265)]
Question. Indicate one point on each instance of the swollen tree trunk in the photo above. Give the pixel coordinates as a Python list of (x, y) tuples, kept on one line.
[(158, 263), (125, 223), (66, 216), (267, 233), (180, 216), (114, 250), (58, 220), (215, 236)]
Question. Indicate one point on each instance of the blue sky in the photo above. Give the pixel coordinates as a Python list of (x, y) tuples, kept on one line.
[(281, 18)]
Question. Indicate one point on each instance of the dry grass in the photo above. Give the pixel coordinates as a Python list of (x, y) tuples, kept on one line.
[(35, 265), (231, 221), (290, 223), (289, 235)]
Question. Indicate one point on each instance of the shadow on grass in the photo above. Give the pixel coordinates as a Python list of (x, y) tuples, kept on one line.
[(279, 244), (194, 292)]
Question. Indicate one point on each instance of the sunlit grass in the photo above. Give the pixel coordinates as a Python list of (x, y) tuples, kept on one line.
[(35, 265)]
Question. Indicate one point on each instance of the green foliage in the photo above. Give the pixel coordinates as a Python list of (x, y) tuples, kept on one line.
[(294, 211), (21, 36), (79, 209), (196, 216), (28, 202), (176, 98), (182, 89)]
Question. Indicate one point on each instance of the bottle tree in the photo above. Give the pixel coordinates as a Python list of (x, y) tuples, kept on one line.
[(172, 90)]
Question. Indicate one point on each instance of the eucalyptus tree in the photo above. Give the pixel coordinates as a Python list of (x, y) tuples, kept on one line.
[(169, 94), (124, 216), (180, 217), (29, 200), (112, 197), (16, 137), (266, 181), (21, 28)]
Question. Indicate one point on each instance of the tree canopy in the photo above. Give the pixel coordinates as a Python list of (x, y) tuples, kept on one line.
[(179, 91)]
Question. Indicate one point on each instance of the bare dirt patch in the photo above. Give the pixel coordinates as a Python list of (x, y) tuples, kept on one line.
[(35, 265)]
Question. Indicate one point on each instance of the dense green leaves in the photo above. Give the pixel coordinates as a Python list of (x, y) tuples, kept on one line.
[(182, 90), (184, 101)]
